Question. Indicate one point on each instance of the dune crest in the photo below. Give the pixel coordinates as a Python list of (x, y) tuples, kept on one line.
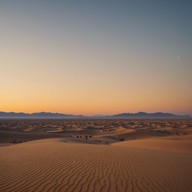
[(179, 144)]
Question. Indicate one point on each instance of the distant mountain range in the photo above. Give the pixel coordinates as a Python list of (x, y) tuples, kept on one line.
[(40, 115), (150, 115), (48, 115)]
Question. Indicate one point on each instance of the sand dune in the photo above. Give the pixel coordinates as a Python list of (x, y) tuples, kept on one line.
[(173, 143), (52, 165)]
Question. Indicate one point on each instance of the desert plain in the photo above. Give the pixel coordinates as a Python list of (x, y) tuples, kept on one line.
[(114, 155)]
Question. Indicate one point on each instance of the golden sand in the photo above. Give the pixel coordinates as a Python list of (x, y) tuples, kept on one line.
[(53, 165)]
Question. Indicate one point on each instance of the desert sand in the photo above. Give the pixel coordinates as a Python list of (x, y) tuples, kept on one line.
[(180, 144), (54, 165)]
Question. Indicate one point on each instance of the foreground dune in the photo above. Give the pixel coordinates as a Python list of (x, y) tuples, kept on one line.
[(52, 165)]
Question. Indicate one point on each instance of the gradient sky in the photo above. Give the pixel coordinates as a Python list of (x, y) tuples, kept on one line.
[(96, 56)]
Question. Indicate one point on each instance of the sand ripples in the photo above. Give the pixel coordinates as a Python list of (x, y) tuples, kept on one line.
[(55, 166)]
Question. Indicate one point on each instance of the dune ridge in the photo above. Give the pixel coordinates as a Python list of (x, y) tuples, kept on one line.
[(52, 165), (179, 144)]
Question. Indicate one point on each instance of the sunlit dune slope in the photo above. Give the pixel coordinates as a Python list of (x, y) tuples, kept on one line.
[(174, 143), (52, 165)]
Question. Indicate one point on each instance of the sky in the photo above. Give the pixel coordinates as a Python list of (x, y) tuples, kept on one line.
[(96, 56)]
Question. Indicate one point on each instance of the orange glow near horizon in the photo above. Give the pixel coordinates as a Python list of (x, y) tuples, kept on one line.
[(90, 105), (94, 93)]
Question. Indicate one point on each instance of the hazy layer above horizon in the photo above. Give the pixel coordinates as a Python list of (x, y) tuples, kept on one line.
[(96, 57)]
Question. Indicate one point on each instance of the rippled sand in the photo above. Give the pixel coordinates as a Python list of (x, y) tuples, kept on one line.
[(52, 165)]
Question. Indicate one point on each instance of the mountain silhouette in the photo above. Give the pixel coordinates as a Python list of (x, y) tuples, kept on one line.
[(49, 115)]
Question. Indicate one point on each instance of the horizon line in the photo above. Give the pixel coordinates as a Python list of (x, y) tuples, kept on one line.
[(82, 114)]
